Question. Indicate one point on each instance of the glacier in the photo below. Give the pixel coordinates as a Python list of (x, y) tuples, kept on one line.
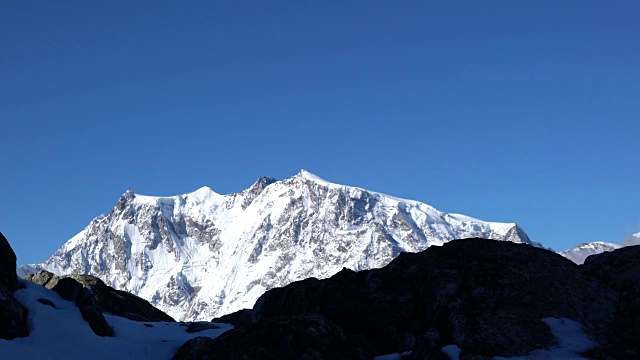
[(202, 255)]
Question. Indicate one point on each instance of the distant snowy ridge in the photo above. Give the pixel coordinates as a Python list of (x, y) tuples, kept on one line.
[(201, 255), (579, 253)]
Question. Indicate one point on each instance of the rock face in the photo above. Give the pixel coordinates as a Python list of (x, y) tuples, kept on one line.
[(13, 317), (107, 299), (487, 297), (304, 338), (202, 254), (620, 270)]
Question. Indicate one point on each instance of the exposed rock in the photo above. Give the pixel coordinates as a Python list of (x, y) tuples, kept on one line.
[(71, 290), (13, 317), (8, 277), (47, 302), (302, 338), (43, 278), (197, 348), (428, 346), (68, 289), (96, 320), (620, 269), (487, 297), (135, 317), (236, 318), (110, 300), (195, 327)]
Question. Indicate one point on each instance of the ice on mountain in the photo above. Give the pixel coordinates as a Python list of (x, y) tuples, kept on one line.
[(180, 252)]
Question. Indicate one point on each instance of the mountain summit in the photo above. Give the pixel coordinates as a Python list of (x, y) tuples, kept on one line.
[(202, 255)]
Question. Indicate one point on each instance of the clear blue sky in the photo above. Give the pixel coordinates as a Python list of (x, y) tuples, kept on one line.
[(514, 111)]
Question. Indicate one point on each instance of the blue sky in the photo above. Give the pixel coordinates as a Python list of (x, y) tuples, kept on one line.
[(515, 111)]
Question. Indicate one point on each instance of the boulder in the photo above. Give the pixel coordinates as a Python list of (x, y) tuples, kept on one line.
[(68, 289), (13, 317), (304, 338), (96, 321), (71, 290), (197, 348), (108, 299)]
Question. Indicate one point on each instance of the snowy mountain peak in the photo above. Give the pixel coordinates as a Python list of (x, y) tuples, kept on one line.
[(260, 184), (202, 193), (200, 255), (264, 181), (204, 189), (304, 174), (579, 253), (124, 201)]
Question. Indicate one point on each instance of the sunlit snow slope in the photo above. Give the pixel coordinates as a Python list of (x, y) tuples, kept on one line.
[(202, 254)]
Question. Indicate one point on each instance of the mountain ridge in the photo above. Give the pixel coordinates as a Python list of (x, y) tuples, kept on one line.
[(579, 253), (202, 254)]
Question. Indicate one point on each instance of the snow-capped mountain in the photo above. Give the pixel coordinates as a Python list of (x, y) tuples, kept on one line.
[(579, 253), (201, 255)]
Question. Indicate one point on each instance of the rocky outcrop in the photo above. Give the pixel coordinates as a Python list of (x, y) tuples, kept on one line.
[(198, 326), (71, 290), (305, 338), (487, 297), (107, 299), (13, 317), (620, 269)]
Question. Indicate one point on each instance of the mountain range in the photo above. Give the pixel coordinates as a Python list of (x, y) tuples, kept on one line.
[(202, 255)]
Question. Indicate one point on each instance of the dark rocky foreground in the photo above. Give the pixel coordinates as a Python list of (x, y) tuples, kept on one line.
[(487, 297), (93, 297), (13, 317), (107, 299), (292, 337)]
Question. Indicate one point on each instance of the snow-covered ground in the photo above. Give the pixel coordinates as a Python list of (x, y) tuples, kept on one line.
[(572, 342), (62, 333)]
